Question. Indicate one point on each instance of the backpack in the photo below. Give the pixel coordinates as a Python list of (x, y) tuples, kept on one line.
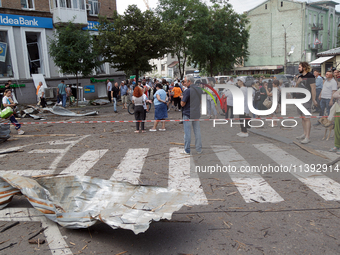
[(257, 96)]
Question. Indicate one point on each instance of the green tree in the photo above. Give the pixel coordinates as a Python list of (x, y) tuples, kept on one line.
[(220, 39), (129, 41), (72, 51), (181, 15)]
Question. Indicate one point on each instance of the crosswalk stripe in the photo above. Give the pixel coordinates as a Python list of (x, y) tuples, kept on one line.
[(131, 166), (330, 155), (47, 151), (83, 164), (251, 186), (181, 179), (27, 172), (319, 183), (55, 240)]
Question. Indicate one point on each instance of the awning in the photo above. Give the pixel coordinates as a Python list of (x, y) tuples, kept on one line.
[(319, 61), (251, 68), (173, 64)]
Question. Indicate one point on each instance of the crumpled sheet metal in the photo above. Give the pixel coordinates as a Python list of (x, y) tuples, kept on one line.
[(100, 102), (64, 112), (79, 202)]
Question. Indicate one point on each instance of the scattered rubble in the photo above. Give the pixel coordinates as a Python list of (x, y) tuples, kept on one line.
[(100, 102)]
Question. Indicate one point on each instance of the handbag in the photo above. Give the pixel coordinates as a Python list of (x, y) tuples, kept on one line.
[(7, 112), (267, 103)]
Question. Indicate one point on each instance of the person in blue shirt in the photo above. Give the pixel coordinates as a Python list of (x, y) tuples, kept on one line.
[(319, 85), (61, 93), (124, 94), (161, 107)]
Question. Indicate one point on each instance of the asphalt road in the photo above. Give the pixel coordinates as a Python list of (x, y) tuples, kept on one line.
[(292, 212)]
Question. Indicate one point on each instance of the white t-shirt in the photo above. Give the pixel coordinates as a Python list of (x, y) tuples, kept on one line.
[(328, 88), (109, 86), (229, 97), (41, 90), (245, 93), (5, 100)]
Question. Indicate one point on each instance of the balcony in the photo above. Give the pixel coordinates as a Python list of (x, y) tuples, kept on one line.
[(315, 46), (317, 26), (66, 10)]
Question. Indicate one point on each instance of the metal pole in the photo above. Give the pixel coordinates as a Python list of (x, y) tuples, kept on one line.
[(285, 69)]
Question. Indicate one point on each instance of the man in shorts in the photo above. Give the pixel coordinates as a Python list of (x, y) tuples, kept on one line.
[(306, 80)]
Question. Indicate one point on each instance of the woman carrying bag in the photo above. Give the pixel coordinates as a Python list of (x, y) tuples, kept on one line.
[(8, 102)]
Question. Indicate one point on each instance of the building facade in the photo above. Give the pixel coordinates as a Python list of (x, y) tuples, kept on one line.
[(292, 29), (25, 29)]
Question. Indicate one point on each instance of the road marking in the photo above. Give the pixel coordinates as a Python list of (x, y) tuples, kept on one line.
[(251, 186), (47, 151), (83, 164), (27, 173), (330, 155), (181, 179), (319, 183), (54, 239), (131, 166)]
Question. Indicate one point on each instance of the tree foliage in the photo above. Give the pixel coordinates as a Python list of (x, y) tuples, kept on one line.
[(129, 41), (181, 15), (72, 50), (220, 39)]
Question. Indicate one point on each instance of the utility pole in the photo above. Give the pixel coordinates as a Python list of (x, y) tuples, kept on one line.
[(285, 56)]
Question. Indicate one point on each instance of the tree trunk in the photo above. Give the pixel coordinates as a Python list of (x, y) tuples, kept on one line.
[(77, 89), (137, 73)]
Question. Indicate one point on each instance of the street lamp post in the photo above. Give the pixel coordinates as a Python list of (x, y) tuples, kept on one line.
[(285, 56)]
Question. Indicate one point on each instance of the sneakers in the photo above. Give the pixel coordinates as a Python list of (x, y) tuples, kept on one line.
[(241, 134), (162, 129), (21, 132), (152, 130), (301, 137), (335, 149), (306, 140), (185, 153)]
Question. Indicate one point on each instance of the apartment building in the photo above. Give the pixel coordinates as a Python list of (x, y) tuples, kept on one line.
[(26, 25), (295, 30)]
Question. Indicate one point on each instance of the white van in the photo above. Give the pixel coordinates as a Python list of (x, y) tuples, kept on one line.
[(222, 79)]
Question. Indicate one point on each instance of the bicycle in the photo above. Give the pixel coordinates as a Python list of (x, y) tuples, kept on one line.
[(131, 108)]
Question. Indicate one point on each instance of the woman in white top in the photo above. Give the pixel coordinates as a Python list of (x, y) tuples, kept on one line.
[(139, 99), (8, 102)]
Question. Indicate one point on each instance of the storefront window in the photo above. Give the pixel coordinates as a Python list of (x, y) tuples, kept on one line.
[(5, 57), (34, 52)]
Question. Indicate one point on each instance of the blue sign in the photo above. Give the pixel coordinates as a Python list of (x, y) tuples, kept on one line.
[(25, 21), (3, 50), (89, 89), (91, 25)]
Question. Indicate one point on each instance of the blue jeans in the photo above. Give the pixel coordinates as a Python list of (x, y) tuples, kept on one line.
[(211, 106), (63, 99), (318, 91), (187, 134), (324, 104), (115, 104)]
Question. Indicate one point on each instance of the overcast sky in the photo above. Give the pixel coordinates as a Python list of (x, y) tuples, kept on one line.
[(239, 5)]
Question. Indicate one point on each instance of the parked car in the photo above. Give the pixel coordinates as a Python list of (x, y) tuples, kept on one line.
[(205, 80), (282, 77), (222, 79)]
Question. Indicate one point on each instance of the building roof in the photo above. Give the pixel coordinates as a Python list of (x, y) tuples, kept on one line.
[(331, 52), (324, 2), (293, 1), (174, 63)]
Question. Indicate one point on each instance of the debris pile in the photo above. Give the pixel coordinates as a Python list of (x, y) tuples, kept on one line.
[(81, 201)]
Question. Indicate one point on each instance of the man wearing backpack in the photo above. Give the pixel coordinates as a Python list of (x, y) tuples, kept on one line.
[(306, 80)]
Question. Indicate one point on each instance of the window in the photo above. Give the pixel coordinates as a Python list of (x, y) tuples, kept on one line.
[(321, 19), (310, 18), (163, 67), (172, 55), (5, 58), (94, 7), (265, 6), (27, 4), (0, 4), (281, 4), (314, 21), (34, 52), (321, 37)]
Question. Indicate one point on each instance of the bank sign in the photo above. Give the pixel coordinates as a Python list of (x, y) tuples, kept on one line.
[(25, 21)]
